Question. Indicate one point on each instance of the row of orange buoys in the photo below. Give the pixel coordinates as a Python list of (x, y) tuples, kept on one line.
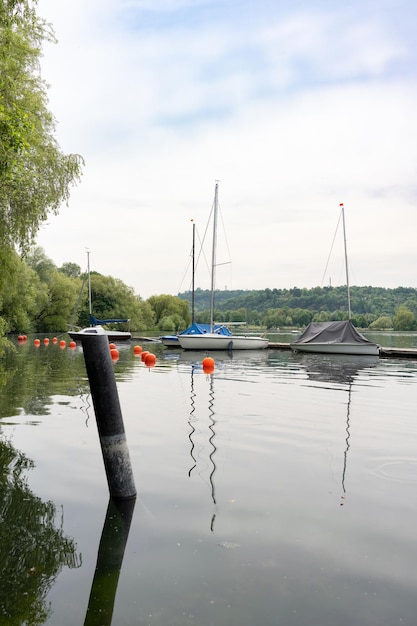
[(46, 341), (148, 358)]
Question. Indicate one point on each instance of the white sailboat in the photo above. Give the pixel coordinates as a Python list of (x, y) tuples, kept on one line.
[(336, 337), (218, 337), (96, 325), (172, 341)]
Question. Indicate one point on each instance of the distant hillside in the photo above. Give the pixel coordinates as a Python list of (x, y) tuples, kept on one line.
[(373, 301)]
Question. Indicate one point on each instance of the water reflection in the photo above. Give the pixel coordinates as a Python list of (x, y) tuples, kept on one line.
[(30, 377), (109, 562), (191, 424), (336, 368), (32, 549), (345, 370), (345, 454), (214, 448), (196, 369)]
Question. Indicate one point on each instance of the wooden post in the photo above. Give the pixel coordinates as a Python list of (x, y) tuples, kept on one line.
[(100, 371)]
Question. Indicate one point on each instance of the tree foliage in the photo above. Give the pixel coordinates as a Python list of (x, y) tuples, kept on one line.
[(23, 297), (36, 296), (35, 176), (111, 299), (171, 313), (274, 307), (404, 319)]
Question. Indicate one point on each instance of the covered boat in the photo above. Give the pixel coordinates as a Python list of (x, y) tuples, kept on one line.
[(334, 338)]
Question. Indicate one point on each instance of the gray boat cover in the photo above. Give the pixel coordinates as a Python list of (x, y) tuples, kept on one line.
[(331, 332)]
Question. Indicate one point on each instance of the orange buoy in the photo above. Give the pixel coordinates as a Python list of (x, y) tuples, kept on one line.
[(46, 341), (54, 340), (150, 359), (208, 362), (137, 349), (62, 343), (37, 343), (112, 346), (144, 353), (72, 345), (114, 354)]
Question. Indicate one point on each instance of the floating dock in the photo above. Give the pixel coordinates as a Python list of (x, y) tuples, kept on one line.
[(384, 353)]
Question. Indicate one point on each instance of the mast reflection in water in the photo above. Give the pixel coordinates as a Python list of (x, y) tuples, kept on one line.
[(343, 371), (193, 421)]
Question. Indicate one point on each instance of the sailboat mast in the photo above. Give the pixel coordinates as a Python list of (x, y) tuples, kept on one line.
[(193, 276), (213, 256), (89, 284), (346, 261)]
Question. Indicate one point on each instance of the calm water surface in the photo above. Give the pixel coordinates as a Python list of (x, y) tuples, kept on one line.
[(279, 490)]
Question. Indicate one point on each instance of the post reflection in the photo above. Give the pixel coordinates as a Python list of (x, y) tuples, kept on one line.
[(109, 562)]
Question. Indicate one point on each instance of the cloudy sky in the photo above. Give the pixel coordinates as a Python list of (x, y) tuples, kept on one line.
[(295, 106)]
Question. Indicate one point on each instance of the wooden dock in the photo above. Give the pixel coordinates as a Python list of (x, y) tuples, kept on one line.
[(384, 353)]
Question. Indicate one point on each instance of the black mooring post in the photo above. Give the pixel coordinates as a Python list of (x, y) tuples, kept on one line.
[(109, 562), (109, 418)]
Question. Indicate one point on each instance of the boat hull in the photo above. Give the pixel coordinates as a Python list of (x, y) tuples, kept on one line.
[(170, 341), (112, 335), (337, 348), (213, 341)]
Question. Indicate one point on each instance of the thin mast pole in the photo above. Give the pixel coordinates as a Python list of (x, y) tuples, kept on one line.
[(346, 261), (213, 256), (193, 276), (89, 284)]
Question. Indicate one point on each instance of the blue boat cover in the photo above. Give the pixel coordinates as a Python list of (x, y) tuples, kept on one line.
[(202, 329), (95, 322)]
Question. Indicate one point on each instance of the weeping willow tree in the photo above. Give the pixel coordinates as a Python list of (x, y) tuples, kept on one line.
[(35, 176)]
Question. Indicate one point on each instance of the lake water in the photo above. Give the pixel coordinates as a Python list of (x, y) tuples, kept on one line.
[(280, 490)]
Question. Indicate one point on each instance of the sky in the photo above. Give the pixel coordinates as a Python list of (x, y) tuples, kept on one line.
[(294, 106)]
